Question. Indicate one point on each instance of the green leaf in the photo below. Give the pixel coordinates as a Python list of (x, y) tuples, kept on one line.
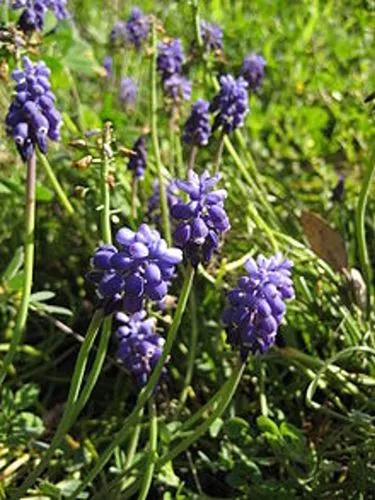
[(236, 428), (42, 296), (265, 424), (43, 194), (31, 424), (14, 265), (215, 427), (26, 396), (168, 476)]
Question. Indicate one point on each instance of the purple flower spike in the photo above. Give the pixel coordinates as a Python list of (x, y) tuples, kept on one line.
[(230, 104), (202, 220), (138, 160), (108, 65), (253, 70), (197, 129), (140, 267), (178, 88), (137, 27), (212, 36), (128, 92), (118, 33), (140, 345), (32, 118), (34, 12), (170, 58), (257, 305), (153, 207)]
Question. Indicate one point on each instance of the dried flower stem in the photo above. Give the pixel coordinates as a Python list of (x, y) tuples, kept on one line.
[(28, 266), (193, 156)]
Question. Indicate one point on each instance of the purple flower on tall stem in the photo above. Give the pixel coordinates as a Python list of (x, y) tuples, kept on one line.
[(212, 36), (138, 160), (140, 268), (118, 33), (230, 104), (197, 129), (140, 346), (137, 27), (128, 92), (32, 118), (257, 304), (170, 58), (202, 220), (178, 88), (253, 70), (108, 65), (34, 11)]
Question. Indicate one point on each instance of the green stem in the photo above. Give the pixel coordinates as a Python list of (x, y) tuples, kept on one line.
[(192, 348), (197, 24), (149, 388), (28, 266), (262, 392), (219, 152), (193, 156), (155, 139), (70, 406), (262, 199), (202, 429), (153, 443), (106, 209), (360, 228), (56, 184), (134, 197)]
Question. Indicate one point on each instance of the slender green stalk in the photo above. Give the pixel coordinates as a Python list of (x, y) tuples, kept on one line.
[(261, 369), (149, 387), (219, 152), (153, 444), (28, 266), (197, 24), (56, 184), (155, 139), (192, 348), (106, 210), (360, 228), (134, 197), (201, 429), (262, 199), (70, 407)]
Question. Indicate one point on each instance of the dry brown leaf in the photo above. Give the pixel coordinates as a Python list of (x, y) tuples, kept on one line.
[(326, 242)]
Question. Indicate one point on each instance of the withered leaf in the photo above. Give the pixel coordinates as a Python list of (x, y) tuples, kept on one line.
[(326, 242)]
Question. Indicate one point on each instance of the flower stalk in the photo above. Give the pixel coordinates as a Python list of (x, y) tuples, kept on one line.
[(28, 266)]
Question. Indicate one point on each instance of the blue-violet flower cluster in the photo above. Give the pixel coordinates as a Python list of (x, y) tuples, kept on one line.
[(230, 104), (137, 27), (197, 129), (212, 36), (169, 63), (142, 267), (253, 70), (32, 118), (202, 219), (34, 11), (128, 92), (257, 305), (140, 346), (138, 160)]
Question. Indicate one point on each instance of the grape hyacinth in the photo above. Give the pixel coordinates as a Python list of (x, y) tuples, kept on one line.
[(118, 33), (197, 129), (108, 65), (230, 104), (153, 206), (140, 346), (128, 92), (137, 27), (212, 36), (257, 305), (138, 160), (32, 118), (34, 11), (253, 71), (201, 220), (170, 58), (141, 268), (178, 88)]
